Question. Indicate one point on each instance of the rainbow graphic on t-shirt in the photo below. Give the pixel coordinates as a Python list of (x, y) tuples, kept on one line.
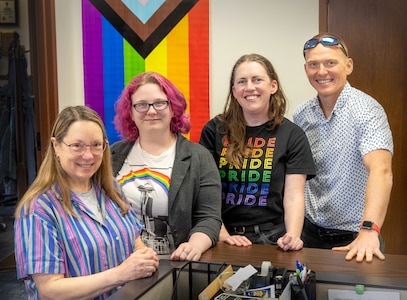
[(146, 174), (248, 184)]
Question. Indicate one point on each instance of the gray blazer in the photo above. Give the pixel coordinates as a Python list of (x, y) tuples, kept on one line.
[(195, 189)]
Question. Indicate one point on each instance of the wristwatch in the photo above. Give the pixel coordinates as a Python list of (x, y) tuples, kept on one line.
[(369, 225)]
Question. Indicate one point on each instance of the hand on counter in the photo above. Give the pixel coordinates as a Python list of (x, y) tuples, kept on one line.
[(290, 242), (366, 245), (233, 240), (186, 251), (236, 240), (198, 243)]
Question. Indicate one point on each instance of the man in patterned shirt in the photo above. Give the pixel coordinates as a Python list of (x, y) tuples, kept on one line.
[(352, 145)]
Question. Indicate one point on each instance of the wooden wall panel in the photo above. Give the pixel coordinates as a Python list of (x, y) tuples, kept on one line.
[(44, 69), (376, 34)]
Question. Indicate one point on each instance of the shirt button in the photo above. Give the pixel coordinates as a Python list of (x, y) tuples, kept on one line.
[(117, 238)]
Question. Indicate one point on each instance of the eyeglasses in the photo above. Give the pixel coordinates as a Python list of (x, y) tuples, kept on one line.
[(326, 40), (80, 148), (158, 105)]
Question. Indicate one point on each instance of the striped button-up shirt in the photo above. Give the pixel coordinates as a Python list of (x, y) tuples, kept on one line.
[(48, 240)]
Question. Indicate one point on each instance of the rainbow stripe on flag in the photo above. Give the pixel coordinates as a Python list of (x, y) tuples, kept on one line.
[(110, 62)]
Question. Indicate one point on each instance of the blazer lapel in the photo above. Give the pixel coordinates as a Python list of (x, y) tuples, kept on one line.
[(181, 165)]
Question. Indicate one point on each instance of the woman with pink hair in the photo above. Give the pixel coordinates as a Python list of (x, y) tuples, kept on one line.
[(172, 183)]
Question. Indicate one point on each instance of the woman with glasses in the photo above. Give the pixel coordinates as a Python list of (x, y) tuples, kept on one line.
[(352, 145), (76, 236), (172, 183), (263, 158)]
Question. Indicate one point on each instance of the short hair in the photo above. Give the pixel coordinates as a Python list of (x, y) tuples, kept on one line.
[(123, 121), (342, 43)]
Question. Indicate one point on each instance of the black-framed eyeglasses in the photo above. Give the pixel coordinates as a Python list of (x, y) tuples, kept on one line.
[(158, 105), (326, 40), (96, 148)]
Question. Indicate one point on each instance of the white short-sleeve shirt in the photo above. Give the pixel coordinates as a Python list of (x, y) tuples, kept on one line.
[(335, 198)]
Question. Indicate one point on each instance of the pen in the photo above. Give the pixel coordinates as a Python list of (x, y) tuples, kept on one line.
[(307, 276), (298, 265), (303, 274), (295, 279)]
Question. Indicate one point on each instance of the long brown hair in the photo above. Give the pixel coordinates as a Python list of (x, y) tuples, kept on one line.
[(232, 117), (51, 172)]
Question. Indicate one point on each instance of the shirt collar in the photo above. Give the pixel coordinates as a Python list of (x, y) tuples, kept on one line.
[(340, 102)]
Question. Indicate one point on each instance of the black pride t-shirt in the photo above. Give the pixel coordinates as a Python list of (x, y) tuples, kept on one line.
[(253, 192)]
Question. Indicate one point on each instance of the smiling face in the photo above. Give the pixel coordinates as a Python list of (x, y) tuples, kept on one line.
[(327, 69), (252, 88), (79, 168), (151, 121)]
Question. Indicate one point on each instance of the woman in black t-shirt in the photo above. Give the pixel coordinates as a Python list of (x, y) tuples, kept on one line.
[(263, 159)]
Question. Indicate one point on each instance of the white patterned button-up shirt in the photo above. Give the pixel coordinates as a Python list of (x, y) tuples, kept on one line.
[(335, 198)]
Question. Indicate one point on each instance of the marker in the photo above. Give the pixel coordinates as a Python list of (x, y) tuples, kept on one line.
[(304, 273), (298, 265)]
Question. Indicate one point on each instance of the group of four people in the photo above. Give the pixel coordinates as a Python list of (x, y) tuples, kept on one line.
[(253, 177)]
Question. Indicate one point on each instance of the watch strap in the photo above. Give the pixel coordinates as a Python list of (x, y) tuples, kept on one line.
[(369, 225)]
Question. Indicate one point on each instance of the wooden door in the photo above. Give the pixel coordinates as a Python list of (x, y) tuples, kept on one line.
[(376, 34), (44, 70)]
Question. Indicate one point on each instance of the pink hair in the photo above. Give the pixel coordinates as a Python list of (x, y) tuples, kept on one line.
[(123, 106)]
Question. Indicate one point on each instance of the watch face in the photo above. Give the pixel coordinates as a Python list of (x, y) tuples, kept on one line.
[(367, 224)]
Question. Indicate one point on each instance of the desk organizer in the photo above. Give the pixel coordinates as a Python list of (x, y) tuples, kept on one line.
[(258, 286)]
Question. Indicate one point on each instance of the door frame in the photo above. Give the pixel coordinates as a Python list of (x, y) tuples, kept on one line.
[(41, 18)]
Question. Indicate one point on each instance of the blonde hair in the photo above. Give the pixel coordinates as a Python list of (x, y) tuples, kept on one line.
[(51, 172)]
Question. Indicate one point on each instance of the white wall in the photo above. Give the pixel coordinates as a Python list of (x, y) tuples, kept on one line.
[(68, 16), (273, 28)]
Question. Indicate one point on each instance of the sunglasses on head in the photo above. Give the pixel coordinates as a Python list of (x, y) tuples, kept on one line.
[(326, 40)]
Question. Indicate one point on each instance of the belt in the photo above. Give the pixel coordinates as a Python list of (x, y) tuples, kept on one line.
[(252, 228), (331, 235)]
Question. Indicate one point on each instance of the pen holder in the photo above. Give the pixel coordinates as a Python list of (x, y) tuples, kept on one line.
[(306, 290)]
